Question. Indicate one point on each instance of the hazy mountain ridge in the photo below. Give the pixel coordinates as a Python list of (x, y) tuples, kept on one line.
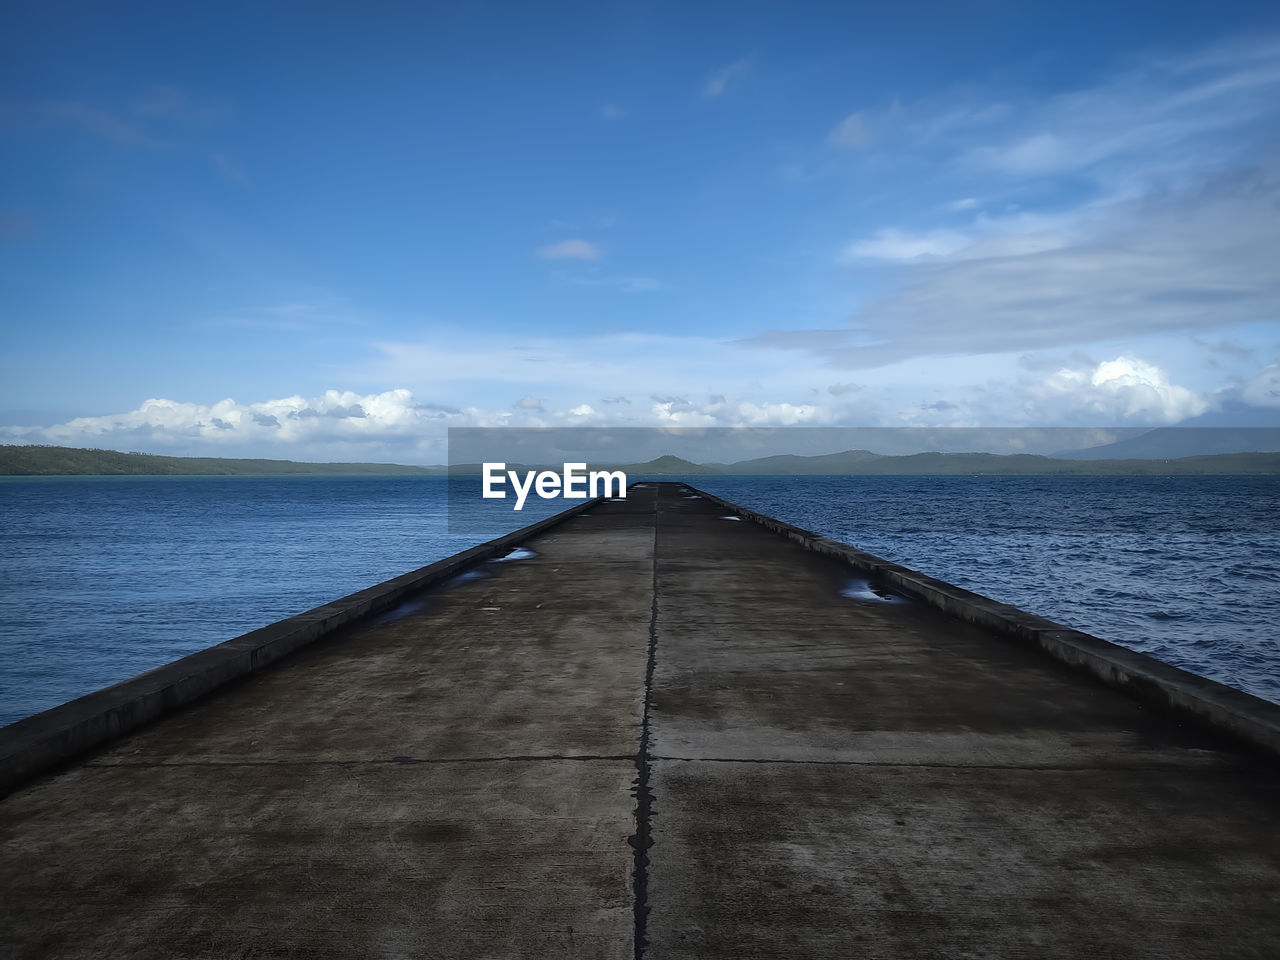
[(72, 461), (865, 463), (31, 461), (1166, 443)]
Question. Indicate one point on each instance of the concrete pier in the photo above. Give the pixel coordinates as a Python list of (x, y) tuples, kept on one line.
[(664, 733)]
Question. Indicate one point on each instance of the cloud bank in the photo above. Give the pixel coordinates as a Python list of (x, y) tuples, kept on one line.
[(398, 425), (1149, 204)]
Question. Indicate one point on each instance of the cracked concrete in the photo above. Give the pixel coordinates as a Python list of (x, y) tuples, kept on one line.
[(826, 777)]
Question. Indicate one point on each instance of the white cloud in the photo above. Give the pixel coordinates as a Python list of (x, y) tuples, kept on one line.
[(611, 111), (719, 411), (1193, 260), (1263, 389), (1170, 226), (1126, 389), (985, 237), (397, 426), (840, 389), (1156, 121), (853, 132), (335, 419), (570, 250), (899, 245), (725, 77)]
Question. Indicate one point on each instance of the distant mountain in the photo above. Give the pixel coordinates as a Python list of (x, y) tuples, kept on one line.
[(1165, 443), (1233, 413), (960, 464), (71, 461), (666, 466), (863, 463), (848, 461), (28, 461)]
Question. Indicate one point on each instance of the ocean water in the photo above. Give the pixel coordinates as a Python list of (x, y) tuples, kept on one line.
[(102, 578)]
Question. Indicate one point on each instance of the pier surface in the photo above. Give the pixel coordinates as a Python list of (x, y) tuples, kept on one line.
[(804, 773)]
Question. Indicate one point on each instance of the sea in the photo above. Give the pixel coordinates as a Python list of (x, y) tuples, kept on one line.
[(103, 578)]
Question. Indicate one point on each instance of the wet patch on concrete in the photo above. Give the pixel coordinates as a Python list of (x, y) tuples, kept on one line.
[(404, 610), (519, 553), (870, 592)]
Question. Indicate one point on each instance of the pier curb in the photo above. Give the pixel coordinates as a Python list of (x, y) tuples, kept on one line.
[(1242, 715)]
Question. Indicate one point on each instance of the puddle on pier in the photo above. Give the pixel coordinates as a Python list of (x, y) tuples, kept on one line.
[(865, 590), (396, 613), (519, 553), (410, 607)]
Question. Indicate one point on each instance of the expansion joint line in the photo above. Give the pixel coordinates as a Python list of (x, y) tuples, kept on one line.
[(642, 839)]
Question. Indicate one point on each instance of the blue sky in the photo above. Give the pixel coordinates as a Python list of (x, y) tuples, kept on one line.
[(311, 231)]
